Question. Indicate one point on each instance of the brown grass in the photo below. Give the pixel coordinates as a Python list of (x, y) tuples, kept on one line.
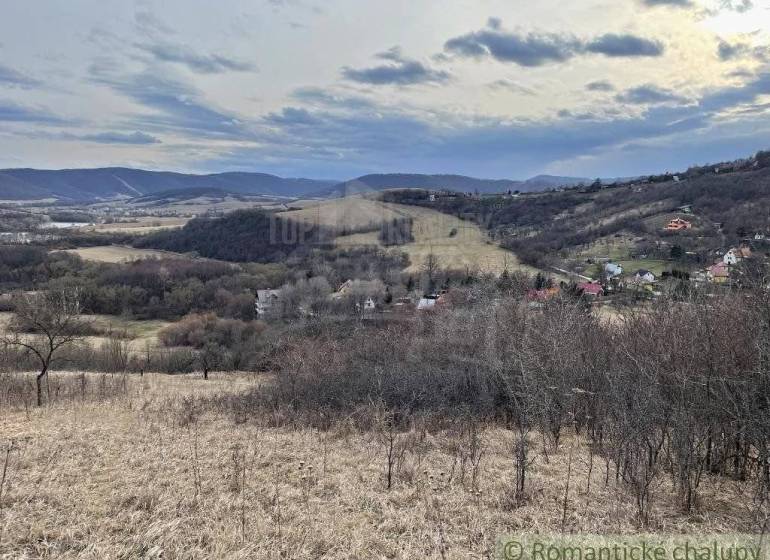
[(119, 253), (154, 471)]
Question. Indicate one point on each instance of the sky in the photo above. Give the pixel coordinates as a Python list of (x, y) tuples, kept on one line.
[(335, 89)]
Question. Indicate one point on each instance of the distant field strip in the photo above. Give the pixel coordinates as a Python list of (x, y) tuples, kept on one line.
[(118, 253)]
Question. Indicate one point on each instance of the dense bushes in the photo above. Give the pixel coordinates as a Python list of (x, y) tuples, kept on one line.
[(199, 330)]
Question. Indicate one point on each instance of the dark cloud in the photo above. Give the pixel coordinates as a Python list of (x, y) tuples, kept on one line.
[(727, 51), (601, 85), (624, 45), (537, 49), (532, 49), (398, 71), (13, 78), (200, 63), (135, 138), (734, 51), (649, 95)]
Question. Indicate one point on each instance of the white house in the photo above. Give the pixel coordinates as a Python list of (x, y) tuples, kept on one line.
[(643, 276), (613, 270), (426, 304), (369, 305)]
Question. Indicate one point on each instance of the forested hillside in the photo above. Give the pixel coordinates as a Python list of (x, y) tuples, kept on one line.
[(723, 208), (241, 236)]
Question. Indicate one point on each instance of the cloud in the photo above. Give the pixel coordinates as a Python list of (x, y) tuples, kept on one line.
[(13, 78), (649, 95), (676, 3), (129, 138), (533, 49), (399, 71), (292, 116), (150, 24), (175, 104), (202, 64), (624, 45), (739, 6), (134, 138), (734, 51), (512, 86), (13, 112), (601, 85), (538, 49)]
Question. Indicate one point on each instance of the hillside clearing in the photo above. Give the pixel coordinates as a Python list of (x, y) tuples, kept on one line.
[(345, 213), (458, 244), (119, 253)]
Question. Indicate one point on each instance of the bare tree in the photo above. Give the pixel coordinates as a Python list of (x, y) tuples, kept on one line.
[(44, 324), (430, 268), (209, 357)]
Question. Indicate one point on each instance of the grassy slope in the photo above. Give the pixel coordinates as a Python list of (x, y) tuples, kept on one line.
[(469, 247), (141, 474)]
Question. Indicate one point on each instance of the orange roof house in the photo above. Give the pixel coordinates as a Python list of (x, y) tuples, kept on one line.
[(678, 224)]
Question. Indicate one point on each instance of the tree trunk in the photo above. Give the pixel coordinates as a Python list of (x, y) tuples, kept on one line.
[(39, 382), (205, 373)]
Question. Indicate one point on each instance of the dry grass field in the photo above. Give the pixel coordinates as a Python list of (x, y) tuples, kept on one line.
[(349, 212), (119, 253), (433, 231), (142, 225), (146, 467)]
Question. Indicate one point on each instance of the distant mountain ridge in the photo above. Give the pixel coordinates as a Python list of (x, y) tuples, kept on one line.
[(89, 185), (119, 182), (461, 183)]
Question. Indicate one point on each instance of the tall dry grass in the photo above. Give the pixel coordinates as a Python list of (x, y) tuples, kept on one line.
[(154, 468)]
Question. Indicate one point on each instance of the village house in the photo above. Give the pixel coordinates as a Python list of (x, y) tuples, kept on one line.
[(613, 270), (644, 276), (734, 256), (678, 224), (267, 302), (718, 273), (591, 289)]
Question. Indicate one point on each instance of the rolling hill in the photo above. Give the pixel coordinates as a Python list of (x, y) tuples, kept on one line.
[(84, 185)]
